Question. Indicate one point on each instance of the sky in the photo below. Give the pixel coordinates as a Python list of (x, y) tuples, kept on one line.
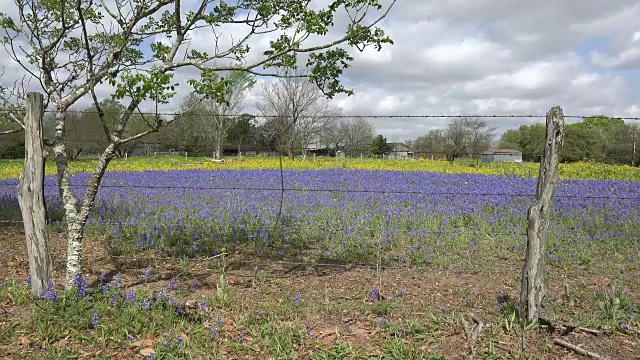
[(463, 57)]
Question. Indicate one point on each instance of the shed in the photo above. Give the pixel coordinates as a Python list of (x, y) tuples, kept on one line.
[(399, 151), (501, 155)]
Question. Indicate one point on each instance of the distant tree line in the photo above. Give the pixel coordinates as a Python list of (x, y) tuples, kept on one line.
[(295, 118), (462, 137), (596, 138)]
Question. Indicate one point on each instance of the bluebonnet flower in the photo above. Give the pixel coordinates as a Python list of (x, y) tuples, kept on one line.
[(240, 336), (49, 293), (146, 305), (130, 337), (131, 297), (81, 286), (312, 335), (101, 277), (117, 280), (172, 284), (105, 288), (298, 299), (203, 305), (194, 284), (94, 320), (28, 280), (164, 342), (215, 332), (146, 275), (375, 294), (114, 296), (624, 326), (399, 294)]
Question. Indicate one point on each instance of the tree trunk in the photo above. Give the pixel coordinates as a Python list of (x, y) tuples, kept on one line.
[(218, 151), (532, 287), (31, 198)]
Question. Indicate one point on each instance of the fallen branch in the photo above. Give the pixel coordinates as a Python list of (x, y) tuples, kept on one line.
[(472, 332), (565, 328), (576, 349)]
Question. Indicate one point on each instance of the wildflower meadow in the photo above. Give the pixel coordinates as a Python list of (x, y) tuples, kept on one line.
[(239, 258)]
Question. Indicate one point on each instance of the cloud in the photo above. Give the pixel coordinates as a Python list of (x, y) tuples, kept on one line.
[(475, 57)]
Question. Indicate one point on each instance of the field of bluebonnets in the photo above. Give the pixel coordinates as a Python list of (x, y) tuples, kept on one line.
[(357, 215), (450, 238)]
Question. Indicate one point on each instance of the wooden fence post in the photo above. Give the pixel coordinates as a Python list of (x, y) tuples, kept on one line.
[(31, 197), (532, 287)]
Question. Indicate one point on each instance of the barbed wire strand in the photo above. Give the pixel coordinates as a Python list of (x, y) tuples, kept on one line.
[(338, 190)]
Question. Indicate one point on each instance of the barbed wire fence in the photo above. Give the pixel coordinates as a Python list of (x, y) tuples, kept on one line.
[(379, 264)]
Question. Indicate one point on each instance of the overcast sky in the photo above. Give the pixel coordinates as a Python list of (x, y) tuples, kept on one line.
[(488, 57)]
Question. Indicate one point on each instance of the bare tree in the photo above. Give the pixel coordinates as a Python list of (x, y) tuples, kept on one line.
[(358, 136), (208, 121), (71, 47), (467, 135), (432, 144), (12, 108), (296, 110)]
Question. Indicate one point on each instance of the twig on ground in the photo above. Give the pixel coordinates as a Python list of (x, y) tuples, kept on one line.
[(565, 328), (577, 349), (472, 332)]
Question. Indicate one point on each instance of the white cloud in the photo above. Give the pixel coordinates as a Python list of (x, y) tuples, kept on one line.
[(476, 57)]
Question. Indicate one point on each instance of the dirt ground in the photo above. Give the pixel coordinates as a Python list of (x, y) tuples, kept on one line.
[(338, 299)]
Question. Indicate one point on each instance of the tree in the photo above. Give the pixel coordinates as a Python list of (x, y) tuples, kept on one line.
[(433, 143), (242, 131), (72, 47), (296, 110), (358, 136), (380, 145)]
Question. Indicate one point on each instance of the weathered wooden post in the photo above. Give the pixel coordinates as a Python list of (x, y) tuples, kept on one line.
[(31, 197), (532, 287)]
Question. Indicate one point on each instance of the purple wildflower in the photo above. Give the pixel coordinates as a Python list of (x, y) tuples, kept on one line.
[(105, 288), (117, 280), (624, 326), (146, 305), (312, 335), (130, 337), (101, 277), (131, 297), (375, 294), (114, 296), (49, 293), (194, 284), (172, 284), (240, 336), (94, 320), (298, 299), (81, 285), (28, 280), (146, 275), (203, 305), (215, 332)]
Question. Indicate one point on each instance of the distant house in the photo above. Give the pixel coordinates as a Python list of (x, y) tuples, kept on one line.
[(399, 151), (501, 155)]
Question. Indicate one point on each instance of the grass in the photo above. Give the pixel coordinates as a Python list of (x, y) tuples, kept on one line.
[(222, 308), (579, 170)]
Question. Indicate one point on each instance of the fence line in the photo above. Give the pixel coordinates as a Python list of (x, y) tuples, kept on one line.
[(371, 116), (337, 190)]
